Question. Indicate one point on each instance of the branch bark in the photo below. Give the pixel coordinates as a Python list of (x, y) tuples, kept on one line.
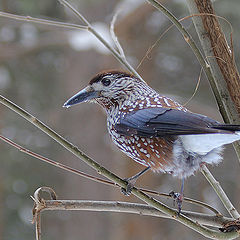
[(226, 79), (41, 204), (127, 207), (221, 194)]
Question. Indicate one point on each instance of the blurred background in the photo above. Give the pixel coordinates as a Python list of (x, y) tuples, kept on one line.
[(42, 66)]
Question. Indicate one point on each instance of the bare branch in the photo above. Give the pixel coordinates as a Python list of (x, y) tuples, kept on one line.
[(97, 179), (39, 205), (221, 194), (42, 21), (187, 37), (126, 207), (54, 163), (222, 64), (114, 37), (88, 27), (115, 53), (123, 207), (38, 229), (226, 79)]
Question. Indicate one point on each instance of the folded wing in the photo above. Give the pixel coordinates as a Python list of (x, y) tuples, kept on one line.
[(157, 122)]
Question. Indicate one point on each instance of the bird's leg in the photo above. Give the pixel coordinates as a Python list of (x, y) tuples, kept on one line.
[(178, 197), (131, 182)]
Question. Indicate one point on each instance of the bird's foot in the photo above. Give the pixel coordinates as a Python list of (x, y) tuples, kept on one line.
[(130, 184), (178, 198)]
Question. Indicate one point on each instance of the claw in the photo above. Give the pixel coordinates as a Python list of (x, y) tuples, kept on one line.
[(131, 182), (128, 190), (178, 198)]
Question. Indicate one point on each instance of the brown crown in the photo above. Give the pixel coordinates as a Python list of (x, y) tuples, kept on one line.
[(101, 75)]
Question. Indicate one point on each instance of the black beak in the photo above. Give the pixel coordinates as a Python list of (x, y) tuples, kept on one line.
[(84, 95)]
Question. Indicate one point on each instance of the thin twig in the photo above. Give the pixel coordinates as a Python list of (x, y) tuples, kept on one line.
[(115, 53), (42, 21), (221, 194), (97, 179), (180, 20), (38, 230), (88, 27), (54, 163), (188, 38), (114, 37), (186, 35), (196, 88)]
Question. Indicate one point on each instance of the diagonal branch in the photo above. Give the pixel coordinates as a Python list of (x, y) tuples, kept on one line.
[(188, 38), (103, 171), (121, 58), (116, 54), (97, 179), (42, 21), (221, 194)]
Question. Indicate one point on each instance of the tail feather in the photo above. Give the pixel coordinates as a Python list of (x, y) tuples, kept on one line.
[(227, 127)]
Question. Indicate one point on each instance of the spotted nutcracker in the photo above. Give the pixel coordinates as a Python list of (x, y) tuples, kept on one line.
[(155, 130)]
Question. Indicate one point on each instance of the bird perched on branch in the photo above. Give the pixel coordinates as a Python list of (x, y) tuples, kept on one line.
[(155, 130)]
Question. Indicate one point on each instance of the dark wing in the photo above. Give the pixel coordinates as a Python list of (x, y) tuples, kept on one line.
[(164, 121)]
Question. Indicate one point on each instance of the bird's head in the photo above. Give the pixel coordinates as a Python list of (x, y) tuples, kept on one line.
[(106, 88)]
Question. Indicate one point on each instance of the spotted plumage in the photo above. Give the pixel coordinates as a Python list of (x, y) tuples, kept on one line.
[(155, 130)]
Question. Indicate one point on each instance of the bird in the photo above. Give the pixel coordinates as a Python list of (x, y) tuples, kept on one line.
[(155, 130)]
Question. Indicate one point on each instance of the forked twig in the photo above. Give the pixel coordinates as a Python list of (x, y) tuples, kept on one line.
[(116, 54)]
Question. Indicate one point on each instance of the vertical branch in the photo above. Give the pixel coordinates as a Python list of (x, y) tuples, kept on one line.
[(221, 60), (38, 231), (214, 44), (207, 68)]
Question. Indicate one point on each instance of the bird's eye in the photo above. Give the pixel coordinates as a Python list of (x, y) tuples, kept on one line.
[(106, 82)]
